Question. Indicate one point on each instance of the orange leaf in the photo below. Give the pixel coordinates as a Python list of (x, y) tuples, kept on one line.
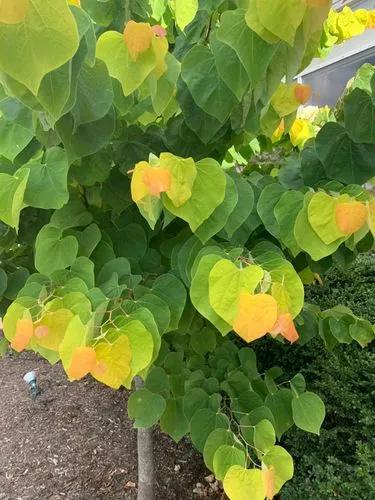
[(157, 180), (138, 38), (302, 93), (350, 216), (269, 482), (285, 327), (257, 314), (24, 332), (83, 361), (41, 331), (159, 31)]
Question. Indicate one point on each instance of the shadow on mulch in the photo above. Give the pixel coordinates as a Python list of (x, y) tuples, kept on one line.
[(75, 441)]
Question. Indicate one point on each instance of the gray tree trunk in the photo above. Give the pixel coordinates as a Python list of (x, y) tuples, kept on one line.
[(146, 473)]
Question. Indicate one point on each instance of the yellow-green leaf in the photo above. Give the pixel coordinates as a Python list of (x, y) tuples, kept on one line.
[(226, 282), (244, 484), (113, 362), (37, 37), (185, 11)]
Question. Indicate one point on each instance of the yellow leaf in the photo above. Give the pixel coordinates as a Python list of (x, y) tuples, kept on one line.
[(257, 314), (284, 326), (300, 132), (13, 11), (183, 173), (284, 101), (351, 216), (24, 333), (113, 362), (160, 46), (281, 295), (51, 328), (83, 362), (279, 131), (75, 2), (244, 484), (268, 475), (138, 38), (185, 11), (371, 216)]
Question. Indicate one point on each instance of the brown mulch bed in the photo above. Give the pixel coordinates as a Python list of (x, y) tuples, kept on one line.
[(75, 441)]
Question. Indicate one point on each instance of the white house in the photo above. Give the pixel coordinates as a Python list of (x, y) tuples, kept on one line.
[(329, 76)]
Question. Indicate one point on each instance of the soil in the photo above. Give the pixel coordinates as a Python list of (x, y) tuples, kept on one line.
[(75, 442)]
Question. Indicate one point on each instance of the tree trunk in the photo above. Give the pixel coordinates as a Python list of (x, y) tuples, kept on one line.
[(146, 473)]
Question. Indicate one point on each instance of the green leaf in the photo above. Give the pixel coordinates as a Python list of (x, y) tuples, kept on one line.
[(208, 193), (157, 381), (226, 281), (94, 94), (199, 293), (217, 438), (145, 408), (203, 423), (203, 341), (281, 18), (52, 251), (238, 482), (198, 70), (343, 159), (264, 436), (16, 128), (308, 412), (322, 217), (229, 67), (225, 457), (306, 237), (363, 332), (45, 38), (286, 211), (298, 383), (173, 421), (282, 464), (86, 139), (254, 53), (285, 277), (112, 49), (268, 199), (141, 345), (73, 214), (172, 291), (244, 206), (194, 399), (219, 217), (47, 186), (12, 190), (163, 90), (359, 111)]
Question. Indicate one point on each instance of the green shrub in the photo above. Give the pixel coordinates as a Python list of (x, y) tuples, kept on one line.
[(341, 462)]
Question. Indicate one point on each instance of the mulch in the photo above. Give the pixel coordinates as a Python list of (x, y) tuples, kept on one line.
[(75, 442)]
